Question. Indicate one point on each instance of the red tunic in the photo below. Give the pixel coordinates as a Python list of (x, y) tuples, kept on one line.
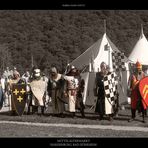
[(135, 94)]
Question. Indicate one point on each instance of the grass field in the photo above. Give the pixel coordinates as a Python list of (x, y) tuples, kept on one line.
[(91, 118), (14, 130)]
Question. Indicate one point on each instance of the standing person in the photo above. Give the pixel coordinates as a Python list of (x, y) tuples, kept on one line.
[(26, 78), (47, 98), (16, 79), (38, 89), (100, 104), (55, 90), (7, 75), (136, 99), (71, 89), (79, 97)]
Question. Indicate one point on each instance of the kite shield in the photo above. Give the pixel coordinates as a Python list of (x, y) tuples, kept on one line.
[(143, 88), (38, 88), (19, 97)]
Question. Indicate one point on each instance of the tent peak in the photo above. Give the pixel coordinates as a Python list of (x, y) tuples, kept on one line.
[(104, 35)]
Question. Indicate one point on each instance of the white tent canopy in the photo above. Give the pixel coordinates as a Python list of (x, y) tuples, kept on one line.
[(99, 52), (96, 53), (140, 51)]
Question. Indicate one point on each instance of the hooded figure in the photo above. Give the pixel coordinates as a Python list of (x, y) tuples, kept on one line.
[(55, 90)]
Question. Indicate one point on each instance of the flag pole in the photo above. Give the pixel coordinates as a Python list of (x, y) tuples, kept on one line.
[(109, 56), (107, 43)]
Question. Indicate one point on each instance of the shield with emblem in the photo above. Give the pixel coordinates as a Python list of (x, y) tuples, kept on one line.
[(143, 88), (38, 88), (19, 97)]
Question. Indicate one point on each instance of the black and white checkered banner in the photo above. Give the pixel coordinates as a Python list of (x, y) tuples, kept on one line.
[(110, 87), (118, 60)]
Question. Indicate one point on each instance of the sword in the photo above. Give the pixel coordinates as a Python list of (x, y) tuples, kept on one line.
[(66, 70)]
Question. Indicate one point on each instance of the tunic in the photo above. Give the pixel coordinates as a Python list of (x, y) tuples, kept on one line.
[(136, 100), (72, 85), (55, 91), (100, 104)]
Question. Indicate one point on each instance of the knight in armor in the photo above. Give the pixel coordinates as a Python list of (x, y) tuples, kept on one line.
[(48, 99), (73, 91), (7, 76), (100, 104), (55, 91), (37, 93), (136, 99), (16, 79), (79, 91), (26, 78)]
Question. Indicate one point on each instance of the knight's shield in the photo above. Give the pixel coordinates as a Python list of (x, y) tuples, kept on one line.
[(110, 88), (143, 88), (19, 97), (38, 88)]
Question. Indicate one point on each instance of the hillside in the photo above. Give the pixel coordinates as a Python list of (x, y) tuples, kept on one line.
[(56, 37)]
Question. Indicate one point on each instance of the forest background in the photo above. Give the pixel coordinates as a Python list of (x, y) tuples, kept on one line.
[(56, 37)]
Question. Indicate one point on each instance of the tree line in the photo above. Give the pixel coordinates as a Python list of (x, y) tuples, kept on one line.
[(56, 37)]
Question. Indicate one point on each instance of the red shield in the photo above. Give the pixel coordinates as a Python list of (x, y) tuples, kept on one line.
[(143, 88)]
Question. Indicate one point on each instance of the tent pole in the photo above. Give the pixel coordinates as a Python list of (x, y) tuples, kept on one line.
[(109, 56)]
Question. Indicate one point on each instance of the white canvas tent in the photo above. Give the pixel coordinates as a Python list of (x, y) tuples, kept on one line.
[(140, 51), (89, 98), (93, 56)]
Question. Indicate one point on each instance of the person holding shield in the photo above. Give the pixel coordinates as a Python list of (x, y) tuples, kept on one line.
[(103, 108), (136, 99), (37, 93)]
